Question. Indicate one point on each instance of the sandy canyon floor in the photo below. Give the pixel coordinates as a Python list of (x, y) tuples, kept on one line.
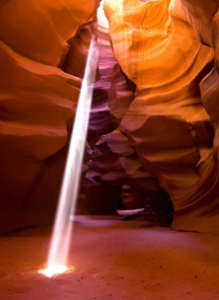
[(113, 260)]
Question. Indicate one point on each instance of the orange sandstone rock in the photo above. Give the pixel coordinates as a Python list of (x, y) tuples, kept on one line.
[(166, 124), (150, 131), (40, 29), (37, 106)]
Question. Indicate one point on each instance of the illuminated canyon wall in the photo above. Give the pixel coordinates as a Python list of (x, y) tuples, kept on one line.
[(153, 127), (38, 102), (169, 50)]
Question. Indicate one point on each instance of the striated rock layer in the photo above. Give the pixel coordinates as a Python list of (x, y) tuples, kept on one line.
[(113, 162), (153, 130), (97, 196), (166, 50), (37, 104)]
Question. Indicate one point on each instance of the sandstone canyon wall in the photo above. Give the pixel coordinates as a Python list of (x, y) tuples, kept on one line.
[(38, 103), (153, 130), (168, 50)]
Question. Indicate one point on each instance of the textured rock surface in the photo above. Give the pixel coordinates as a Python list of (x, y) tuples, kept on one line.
[(97, 196), (39, 30), (113, 163), (153, 130), (37, 105), (165, 49)]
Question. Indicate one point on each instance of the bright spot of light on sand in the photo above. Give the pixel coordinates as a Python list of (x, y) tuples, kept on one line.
[(54, 270)]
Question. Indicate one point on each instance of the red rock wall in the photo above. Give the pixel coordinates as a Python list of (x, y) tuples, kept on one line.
[(115, 173), (37, 106), (97, 196), (165, 48), (153, 130)]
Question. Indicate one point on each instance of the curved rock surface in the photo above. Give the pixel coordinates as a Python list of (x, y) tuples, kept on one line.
[(113, 162), (153, 130), (40, 29), (38, 103), (163, 47)]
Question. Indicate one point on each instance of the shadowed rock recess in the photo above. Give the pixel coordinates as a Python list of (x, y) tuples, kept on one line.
[(153, 133)]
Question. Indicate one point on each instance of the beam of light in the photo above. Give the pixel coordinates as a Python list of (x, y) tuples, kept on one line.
[(59, 248), (102, 20)]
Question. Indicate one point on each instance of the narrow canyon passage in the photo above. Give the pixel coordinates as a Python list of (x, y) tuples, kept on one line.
[(152, 143)]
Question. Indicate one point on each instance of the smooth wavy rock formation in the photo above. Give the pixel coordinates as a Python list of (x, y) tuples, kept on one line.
[(200, 210), (167, 124), (121, 94), (200, 14), (96, 196), (154, 125), (37, 106), (40, 29), (76, 58), (113, 163)]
